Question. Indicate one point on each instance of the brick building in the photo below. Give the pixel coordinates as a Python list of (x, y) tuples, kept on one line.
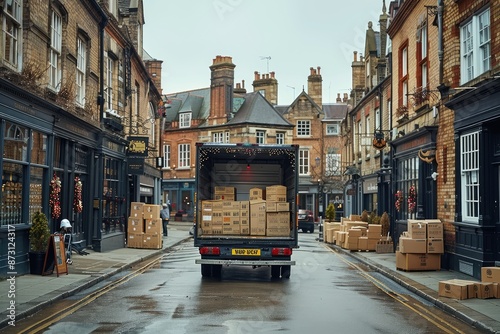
[(54, 124)]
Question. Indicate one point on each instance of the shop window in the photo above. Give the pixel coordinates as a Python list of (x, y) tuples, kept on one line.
[(469, 168), (406, 187), (113, 201)]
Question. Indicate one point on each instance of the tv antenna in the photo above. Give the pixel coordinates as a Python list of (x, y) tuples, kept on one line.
[(268, 58)]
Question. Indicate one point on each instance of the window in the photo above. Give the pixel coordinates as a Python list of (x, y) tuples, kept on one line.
[(360, 136), (121, 85), (260, 137), (12, 15), (368, 128), (303, 128), (469, 167), (422, 57), (280, 138), (403, 77), (152, 122), (184, 155), (332, 164), (166, 156), (407, 176), (220, 137), (81, 63), (475, 49), (332, 129), (377, 119), (185, 120), (303, 161), (55, 51), (108, 84)]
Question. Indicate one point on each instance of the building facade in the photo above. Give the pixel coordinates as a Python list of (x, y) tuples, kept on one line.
[(62, 154)]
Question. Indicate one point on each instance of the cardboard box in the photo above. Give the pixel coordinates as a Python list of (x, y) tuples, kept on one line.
[(134, 240), (456, 289), (415, 246), (277, 206), (278, 220), (257, 217), (225, 193), (256, 193), (384, 246), (481, 290), (363, 243), (496, 290), (276, 193), (375, 228), (151, 211), (417, 229), (490, 274), (418, 262), (152, 241), (355, 232), (278, 231), (434, 228), (154, 226), (435, 246), (135, 225)]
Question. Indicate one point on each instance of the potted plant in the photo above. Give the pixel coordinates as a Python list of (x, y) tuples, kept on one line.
[(330, 212), (39, 239)]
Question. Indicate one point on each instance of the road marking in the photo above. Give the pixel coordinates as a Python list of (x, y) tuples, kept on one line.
[(42, 324), (445, 326)]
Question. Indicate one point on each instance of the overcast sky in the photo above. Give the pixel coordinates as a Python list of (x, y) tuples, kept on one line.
[(285, 36)]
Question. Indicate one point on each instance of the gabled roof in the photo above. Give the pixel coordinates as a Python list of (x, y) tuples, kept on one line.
[(257, 110), (335, 111), (286, 110)]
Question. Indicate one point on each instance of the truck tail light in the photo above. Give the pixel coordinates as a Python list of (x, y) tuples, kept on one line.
[(209, 250), (281, 251)]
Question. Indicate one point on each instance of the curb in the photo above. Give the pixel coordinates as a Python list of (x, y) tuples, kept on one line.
[(410, 285), (84, 285)]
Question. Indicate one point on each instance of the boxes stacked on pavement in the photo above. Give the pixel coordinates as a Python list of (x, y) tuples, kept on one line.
[(145, 227), (489, 287), (354, 235), (421, 246), (266, 213)]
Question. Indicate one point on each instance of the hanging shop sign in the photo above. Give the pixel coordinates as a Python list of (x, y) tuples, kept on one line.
[(138, 146), (135, 166)]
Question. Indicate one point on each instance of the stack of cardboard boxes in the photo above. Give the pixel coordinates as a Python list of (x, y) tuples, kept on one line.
[(145, 227), (421, 246), (489, 287), (267, 213), (354, 235)]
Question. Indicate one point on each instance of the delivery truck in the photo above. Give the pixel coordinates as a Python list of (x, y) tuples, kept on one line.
[(246, 206)]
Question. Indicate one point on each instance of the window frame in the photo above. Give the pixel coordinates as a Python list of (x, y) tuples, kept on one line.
[(469, 171), (185, 120), (330, 132), (303, 128), (184, 156), (473, 61), (55, 52), (12, 31), (260, 136), (280, 138), (166, 156), (81, 69), (304, 161)]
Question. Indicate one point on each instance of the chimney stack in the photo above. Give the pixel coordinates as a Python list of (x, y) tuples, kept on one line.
[(221, 89), (315, 86)]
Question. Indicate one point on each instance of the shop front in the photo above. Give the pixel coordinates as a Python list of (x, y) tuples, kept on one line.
[(476, 241), (180, 194), (414, 189)]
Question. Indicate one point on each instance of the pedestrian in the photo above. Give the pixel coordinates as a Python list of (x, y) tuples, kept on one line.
[(165, 217)]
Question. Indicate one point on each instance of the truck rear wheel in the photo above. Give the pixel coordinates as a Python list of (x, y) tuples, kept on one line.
[(206, 270)]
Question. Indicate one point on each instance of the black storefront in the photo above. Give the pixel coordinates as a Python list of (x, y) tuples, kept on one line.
[(41, 143), (477, 174), (413, 164)]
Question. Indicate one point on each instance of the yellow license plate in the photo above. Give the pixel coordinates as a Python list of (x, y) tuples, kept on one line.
[(245, 252)]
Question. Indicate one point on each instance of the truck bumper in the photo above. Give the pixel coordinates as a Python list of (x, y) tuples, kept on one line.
[(246, 262)]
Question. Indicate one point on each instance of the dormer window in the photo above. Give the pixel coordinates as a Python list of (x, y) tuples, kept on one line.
[(185, 120)]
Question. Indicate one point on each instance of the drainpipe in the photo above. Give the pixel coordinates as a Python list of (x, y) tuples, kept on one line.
[(440, 39)]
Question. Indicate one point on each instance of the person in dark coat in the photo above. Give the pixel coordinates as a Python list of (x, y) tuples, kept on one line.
[(165, 217)]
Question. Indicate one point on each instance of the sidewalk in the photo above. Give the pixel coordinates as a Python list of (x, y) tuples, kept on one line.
[(33, 292), (483, 314)]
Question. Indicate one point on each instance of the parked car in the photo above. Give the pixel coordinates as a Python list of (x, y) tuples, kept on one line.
[(306, 220)]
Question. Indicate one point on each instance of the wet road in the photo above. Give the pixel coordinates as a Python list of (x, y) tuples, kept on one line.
[(327, 292)]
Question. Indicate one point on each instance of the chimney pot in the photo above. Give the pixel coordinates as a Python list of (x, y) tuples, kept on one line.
[(319, 69), (355, 55), (272, 74), (243, 83)]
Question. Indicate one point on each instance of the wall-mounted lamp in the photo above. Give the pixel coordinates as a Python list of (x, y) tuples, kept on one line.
[(434, 175)]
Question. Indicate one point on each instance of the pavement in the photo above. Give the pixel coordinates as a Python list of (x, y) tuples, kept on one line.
[(34, 292)]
